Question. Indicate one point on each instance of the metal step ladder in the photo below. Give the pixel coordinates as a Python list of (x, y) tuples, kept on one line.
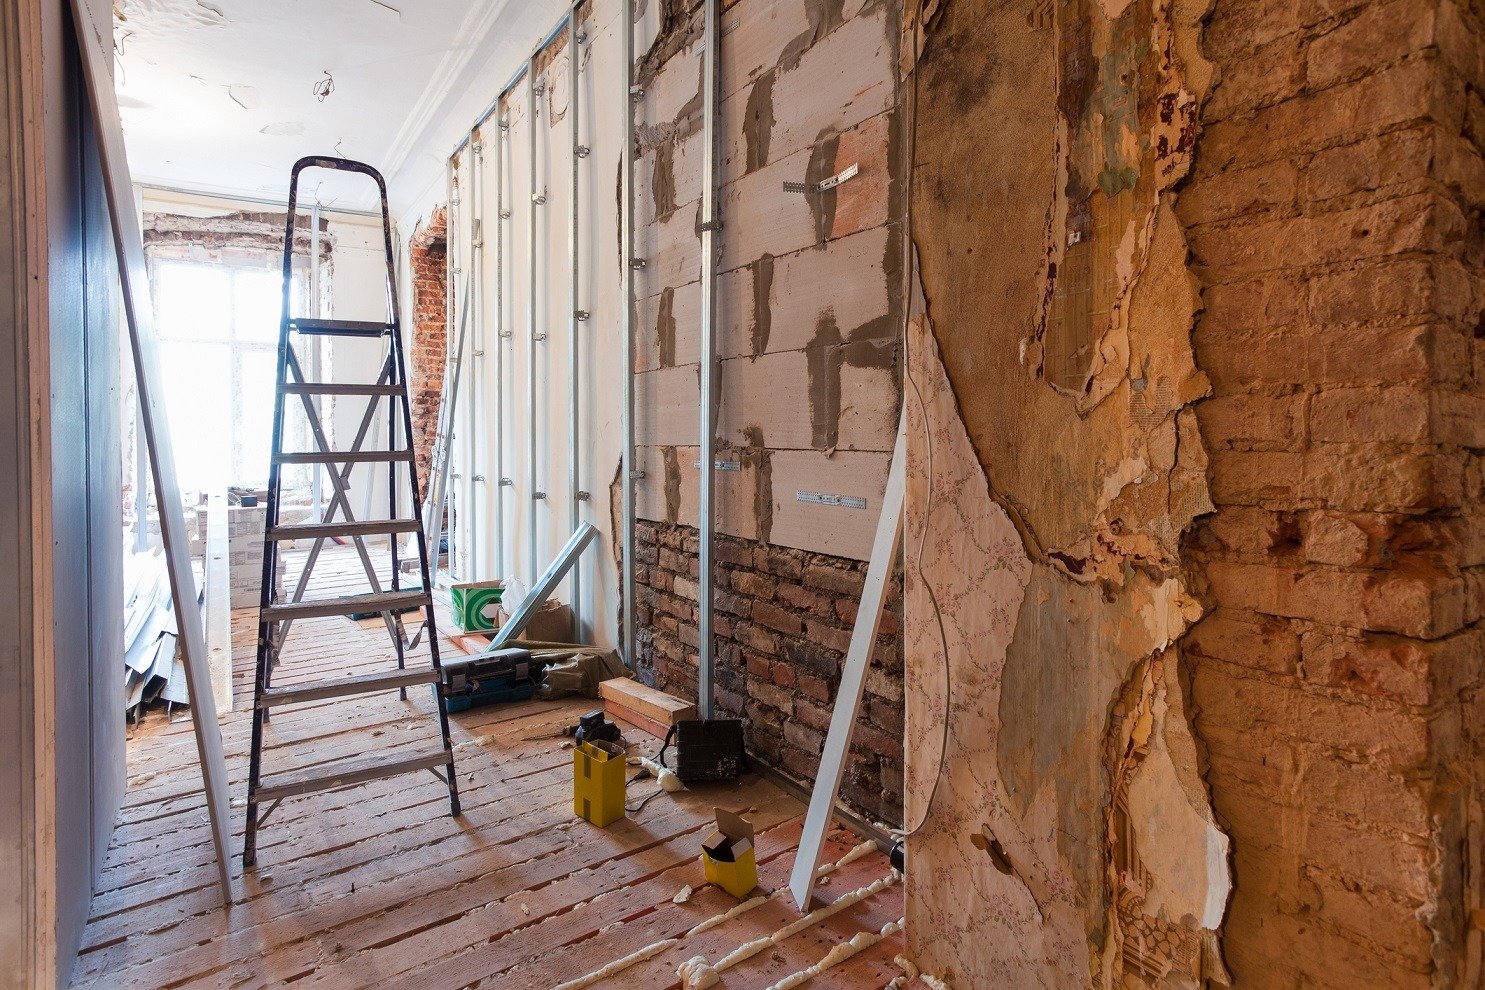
[(277, 614)]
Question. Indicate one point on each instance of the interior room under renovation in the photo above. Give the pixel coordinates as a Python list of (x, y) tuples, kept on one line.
[(546, 494)]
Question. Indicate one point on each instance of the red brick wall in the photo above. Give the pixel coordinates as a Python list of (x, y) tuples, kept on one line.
[(428, 344), (783, 623), (1333, 216)]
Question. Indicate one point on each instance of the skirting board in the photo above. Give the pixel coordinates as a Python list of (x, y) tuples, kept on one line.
[(853, 678)]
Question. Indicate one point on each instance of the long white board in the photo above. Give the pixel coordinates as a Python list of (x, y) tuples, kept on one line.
[(97, 57), (852, 680)]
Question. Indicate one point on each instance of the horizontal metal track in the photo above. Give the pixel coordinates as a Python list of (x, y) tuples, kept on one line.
[(390, 680), (374, 527), (379, 601), (341, 328), (334, 388), (348, 774), (342, 456)]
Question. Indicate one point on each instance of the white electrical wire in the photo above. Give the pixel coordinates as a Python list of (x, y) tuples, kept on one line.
[(909, 269)]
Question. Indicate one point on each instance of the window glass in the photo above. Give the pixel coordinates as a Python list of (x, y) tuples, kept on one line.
[(219, 328), (191, 301)]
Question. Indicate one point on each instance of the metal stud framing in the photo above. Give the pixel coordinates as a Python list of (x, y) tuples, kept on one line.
[(710, 227), (626, 326), (538, 199), (575, 316), (502, 338)]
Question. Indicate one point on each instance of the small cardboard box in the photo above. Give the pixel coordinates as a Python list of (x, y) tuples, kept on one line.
[(552, 623), (727, 855), (598, 782), (477, 604)]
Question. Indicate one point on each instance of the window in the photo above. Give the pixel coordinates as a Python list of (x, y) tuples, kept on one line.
[(218, 329)]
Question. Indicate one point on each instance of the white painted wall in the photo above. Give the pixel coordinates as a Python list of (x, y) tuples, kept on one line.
[(494, 409)]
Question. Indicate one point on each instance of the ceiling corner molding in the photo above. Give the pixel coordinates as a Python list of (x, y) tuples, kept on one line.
[(477, 25)]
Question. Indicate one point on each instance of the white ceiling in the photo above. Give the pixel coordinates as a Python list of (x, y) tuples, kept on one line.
[(218, 96)]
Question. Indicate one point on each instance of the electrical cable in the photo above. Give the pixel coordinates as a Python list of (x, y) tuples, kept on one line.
[(641, 806), (909, 270)]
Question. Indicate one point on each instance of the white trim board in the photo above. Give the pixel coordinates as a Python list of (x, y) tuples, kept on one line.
[(852, 679), (97, 59)]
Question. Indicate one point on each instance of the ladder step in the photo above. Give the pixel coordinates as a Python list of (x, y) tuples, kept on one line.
[(377, 601), (342, 456), (375, 527), (331, 388), (347, 774), (391, 680), (341, 328)]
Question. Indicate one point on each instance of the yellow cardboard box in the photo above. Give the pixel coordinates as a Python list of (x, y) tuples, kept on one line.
[(598, 782), (727, 855)]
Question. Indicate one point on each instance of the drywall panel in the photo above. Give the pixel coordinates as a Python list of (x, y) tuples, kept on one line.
[(667, 327), (665, 404), (760, 220), (781, 303), (845, 531), (670, 250), (840, 81), (756, 35), (767, 401)]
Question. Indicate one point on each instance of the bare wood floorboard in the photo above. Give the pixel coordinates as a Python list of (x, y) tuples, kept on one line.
[(377, 886)]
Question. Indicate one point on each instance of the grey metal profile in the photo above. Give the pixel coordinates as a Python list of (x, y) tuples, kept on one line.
[(502, 336), (474, 290), (626, 330), (542, 588), (574, 463), (533, 530), (710, 224)]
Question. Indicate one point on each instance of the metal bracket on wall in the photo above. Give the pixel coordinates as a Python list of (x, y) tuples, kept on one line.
[(812, 188), (827, 498), (722, 465)]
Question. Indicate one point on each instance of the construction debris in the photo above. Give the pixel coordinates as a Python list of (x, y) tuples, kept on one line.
[(152, 669)]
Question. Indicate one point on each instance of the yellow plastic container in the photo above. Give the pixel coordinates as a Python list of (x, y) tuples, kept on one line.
[(727, 855), (598, 782)]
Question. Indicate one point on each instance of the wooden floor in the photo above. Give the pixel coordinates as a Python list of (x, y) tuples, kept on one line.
[(378, 886)]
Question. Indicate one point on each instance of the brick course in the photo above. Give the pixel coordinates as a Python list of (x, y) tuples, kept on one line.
[(1333, 215), (783, 623)]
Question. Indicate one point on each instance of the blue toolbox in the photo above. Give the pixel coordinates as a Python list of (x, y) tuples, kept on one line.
[(505, 675)]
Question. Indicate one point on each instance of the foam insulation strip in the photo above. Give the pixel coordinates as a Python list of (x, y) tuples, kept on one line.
[(839, 954), (696, 973), (655, 948), (619, 965)]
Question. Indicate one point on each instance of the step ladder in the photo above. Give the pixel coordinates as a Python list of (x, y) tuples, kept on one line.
[(278, 614)]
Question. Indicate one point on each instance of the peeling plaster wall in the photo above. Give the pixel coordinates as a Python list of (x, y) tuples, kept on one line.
[(1194, 420), (1056, 464)]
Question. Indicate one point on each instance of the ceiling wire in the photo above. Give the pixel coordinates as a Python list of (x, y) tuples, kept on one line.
[(323, 87)]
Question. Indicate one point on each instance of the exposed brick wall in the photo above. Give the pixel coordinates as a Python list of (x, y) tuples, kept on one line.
[(428, 346), (783, 624), (1334, 220)]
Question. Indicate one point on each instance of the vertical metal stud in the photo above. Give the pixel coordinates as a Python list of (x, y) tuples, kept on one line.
[(708, 426), (626, 325), (473, 276), (574, 464), (533, 529), (502, 134)]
